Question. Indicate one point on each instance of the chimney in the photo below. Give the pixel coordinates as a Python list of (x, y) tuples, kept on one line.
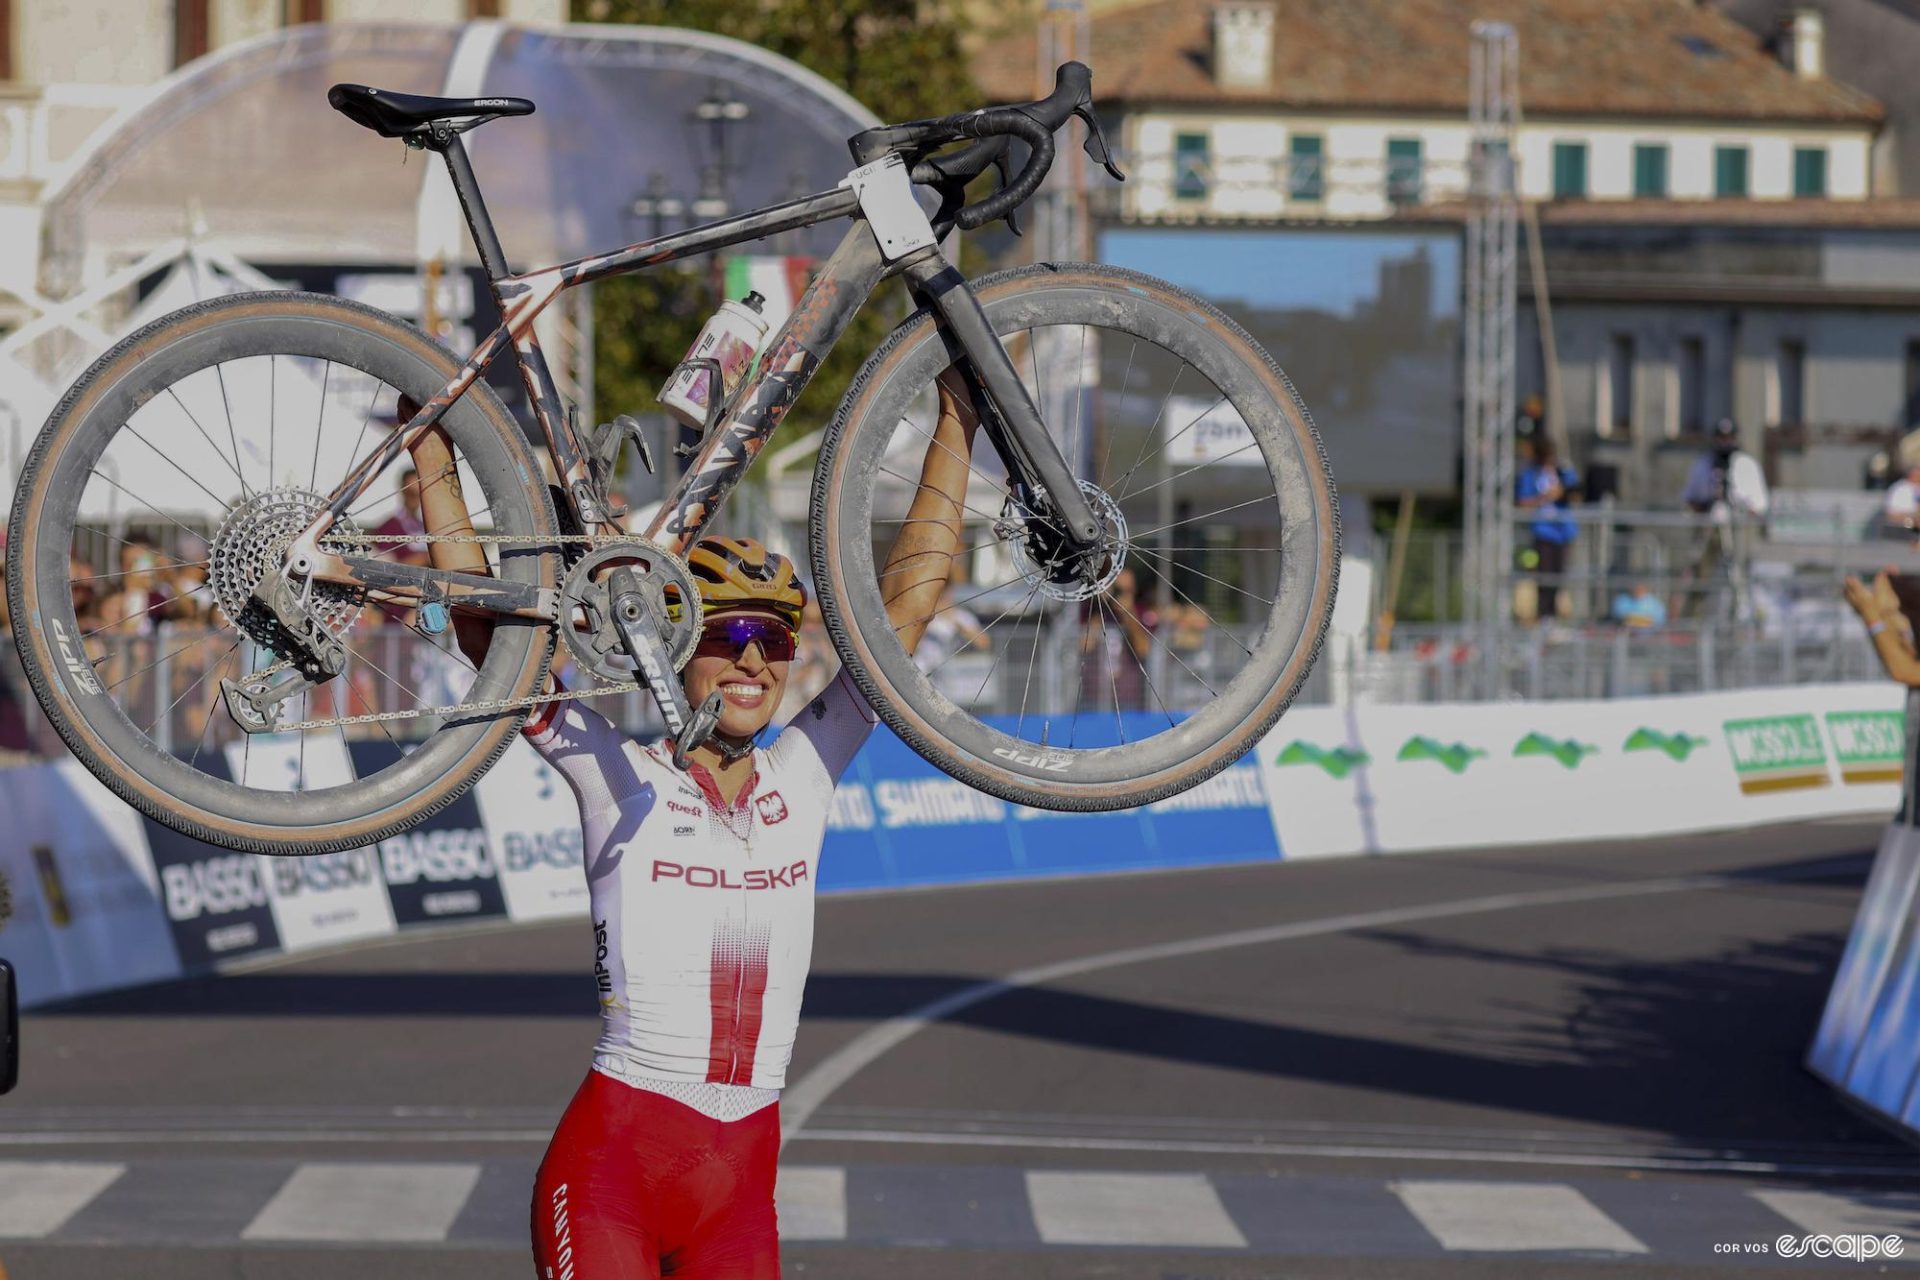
[(1806, 44), (1243, 44)]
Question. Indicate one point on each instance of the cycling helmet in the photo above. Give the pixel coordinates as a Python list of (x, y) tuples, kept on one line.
[(741, 572)]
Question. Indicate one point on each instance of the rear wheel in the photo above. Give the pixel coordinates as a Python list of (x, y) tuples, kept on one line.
[(1095, 681), (168, 480)]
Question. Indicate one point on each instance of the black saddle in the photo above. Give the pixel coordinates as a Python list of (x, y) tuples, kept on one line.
[(399, 115)]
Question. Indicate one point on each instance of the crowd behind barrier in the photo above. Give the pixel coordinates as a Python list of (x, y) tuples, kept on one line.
[(95, 896)]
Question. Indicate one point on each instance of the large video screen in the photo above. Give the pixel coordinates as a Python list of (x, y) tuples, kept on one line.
[(1366, 323)]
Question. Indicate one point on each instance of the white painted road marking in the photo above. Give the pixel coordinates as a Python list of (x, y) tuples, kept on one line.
[(1131, 1208), (37, 1197), (1513, 1216), (812, 1203), (366, 1202), (1822, 1213), (803, 1097)]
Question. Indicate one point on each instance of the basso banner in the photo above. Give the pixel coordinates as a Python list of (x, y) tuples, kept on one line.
[(216, 900), (442, 869), (328, 898), (529, 812)]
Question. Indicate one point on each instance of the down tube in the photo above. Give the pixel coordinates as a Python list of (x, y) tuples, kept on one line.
[(819, 318)]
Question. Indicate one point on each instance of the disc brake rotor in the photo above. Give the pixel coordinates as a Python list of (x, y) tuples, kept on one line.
[(1038, 550), (586, 612), (253, 541)]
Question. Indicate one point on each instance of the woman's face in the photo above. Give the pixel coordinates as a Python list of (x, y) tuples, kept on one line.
[(749, 684)]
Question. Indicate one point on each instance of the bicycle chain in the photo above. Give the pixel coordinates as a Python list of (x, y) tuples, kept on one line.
[(464, 708)]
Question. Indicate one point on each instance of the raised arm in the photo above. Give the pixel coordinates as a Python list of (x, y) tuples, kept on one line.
[(921, 561), (1879, 608), (443, 508)]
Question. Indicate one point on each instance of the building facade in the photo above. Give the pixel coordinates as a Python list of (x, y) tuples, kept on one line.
[(1717, 222)]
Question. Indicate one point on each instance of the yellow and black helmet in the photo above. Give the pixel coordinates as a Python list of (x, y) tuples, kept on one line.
[(741, 572)]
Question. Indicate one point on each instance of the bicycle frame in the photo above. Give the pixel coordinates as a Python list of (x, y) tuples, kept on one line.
[(818, 320)]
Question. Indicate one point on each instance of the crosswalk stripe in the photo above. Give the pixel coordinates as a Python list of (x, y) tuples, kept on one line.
[(1513, 1216), (366, 1202), (1131, 1208), (812, 1203), (1823, 1213), (37, 1197)]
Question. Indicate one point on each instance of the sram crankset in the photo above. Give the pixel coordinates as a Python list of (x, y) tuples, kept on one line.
[(588, 621)]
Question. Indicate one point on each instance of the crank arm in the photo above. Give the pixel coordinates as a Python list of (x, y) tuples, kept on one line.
[(1035, 457), (636, 615), (255, 701)]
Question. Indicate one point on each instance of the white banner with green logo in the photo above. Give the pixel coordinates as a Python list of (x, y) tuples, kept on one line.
[(1399, 779)]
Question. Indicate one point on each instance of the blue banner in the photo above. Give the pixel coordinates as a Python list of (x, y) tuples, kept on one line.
[(899, 821)]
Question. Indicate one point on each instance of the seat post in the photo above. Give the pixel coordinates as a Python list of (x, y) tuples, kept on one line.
[(492, 257)]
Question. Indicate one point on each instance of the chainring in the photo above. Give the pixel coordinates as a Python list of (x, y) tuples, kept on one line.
[(586, 612)]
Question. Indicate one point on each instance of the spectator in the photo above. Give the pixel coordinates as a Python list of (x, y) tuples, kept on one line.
[(1117, 632), (143, 600), (1545, 487), (1726, 481), (1902, 504), (406, 521), (953, 626), (1639, 607)]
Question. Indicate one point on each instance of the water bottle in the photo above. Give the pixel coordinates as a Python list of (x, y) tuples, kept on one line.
[(731, 339)]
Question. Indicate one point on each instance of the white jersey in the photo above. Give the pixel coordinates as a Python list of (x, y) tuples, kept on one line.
[(702, 911)]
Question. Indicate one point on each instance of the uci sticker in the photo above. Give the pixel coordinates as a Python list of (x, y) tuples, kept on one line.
[(1035, 760), (74, 658)]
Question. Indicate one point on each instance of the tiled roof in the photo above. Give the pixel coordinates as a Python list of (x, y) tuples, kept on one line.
[(1893, 214), (1667, 59)]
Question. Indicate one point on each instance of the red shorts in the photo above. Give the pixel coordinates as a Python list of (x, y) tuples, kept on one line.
[(637, 1185)]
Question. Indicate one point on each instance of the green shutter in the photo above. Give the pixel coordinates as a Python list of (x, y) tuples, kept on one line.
[(1403, 170), (1730, 171), (1569, 170), (1650, 170), (1810, 172), (1306, 176), (1190, 169)]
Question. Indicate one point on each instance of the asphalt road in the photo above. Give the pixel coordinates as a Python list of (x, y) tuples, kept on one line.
[(1574, 1061)]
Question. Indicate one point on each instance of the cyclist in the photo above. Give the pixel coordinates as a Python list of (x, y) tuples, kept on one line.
[(702, 887)]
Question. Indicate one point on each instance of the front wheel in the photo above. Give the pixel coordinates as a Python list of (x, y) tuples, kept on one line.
[(1109, 680)]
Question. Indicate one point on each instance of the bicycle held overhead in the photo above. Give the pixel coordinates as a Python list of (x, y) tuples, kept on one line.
[(1086, 381)]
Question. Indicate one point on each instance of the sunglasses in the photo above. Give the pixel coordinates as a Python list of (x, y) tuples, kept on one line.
[(731, 637)]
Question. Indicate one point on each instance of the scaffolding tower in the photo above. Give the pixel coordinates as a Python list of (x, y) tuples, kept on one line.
[(1488, 378)]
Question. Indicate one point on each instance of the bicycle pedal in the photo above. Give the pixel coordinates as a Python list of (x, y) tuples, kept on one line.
[(699, 729)]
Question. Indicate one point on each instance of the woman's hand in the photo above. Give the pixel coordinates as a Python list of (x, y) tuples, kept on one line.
[(1875, 603)]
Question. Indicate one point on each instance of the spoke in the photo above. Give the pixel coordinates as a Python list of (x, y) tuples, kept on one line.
[(154, 723), (948, 450), (1176, 656), (200, 639), (1162, 576), (1079, 394), (949, 555), (1106, 450), (213, 708), (955, 605), (1033, 653), (204, 436), (355, 694), (222, 503), (148, 505), (963, 506), (390, 680), (300, 770), (986, 630), (1113, 669), (220, 372), (1204, 515), (326, 376), (1134, 493), (157, 604), (1251, 595), (1154, 430), (121, 573), (1001, 651), (273, 382), (1079, 677), (366, 420)]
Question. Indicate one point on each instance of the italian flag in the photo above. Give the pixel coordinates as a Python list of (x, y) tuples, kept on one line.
[(779, 278)]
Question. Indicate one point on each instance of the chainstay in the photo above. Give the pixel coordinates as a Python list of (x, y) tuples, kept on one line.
[(464, 708)]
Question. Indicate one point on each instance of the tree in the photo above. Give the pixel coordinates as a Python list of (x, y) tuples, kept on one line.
[(901, 58)]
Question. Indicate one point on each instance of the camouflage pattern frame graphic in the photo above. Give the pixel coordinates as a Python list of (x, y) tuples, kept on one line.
[(822, 315)]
